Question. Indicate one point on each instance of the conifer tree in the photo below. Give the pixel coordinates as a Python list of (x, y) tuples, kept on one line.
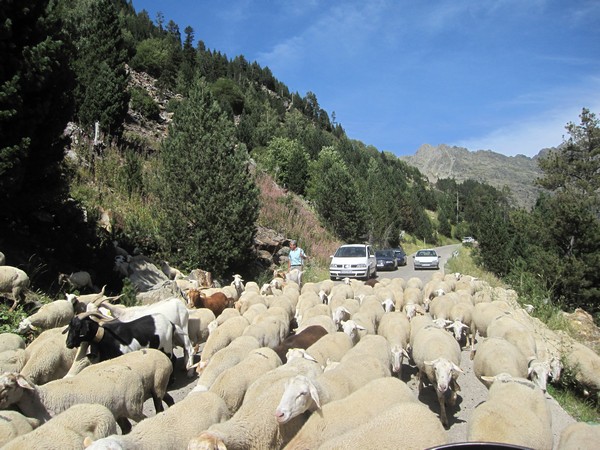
[(206, 191), (336, 196), (35, 106)]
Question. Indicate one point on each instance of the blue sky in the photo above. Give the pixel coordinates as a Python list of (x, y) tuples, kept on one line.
[(500, 75)]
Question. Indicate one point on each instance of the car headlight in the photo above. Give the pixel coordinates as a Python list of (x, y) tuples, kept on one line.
[(361, 266)]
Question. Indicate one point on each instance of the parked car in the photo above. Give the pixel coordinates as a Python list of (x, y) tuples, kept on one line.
[(353, 261), (386, 260), (400, 256), (426, 259), (468, 240)]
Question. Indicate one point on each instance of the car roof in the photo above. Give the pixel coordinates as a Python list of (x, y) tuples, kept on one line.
[(354, 245)]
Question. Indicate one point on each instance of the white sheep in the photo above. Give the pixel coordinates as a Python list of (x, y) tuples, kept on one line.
[(221, 338), (15, 283), (437, 355), (368, 360), (495, 356), (13, 424), (365, 403), (119, 388), (461, 315), (407, 425), (231, 384), (516, 333), (171, 272), (483, 314), (172, 429), (198, 321), (54, 314), (225, 358), (353, 330), (68, 429), (496, 420), (323, 321), (253, 425), (238, 284), (332, 347), (48, 358), (13, 360), (11, 341), (395, 328), (416, 324), (269, 329), (579, 436), (77, 280), (154, 367), (584, 363)]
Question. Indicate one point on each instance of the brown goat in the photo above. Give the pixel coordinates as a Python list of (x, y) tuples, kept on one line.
[(304, 339), (216, 302)]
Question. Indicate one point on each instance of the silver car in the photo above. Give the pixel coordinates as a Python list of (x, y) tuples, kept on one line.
[(426, 259), (353, 261)]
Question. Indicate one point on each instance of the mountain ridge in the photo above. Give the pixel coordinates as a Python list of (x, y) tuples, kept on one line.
[(518, 173)]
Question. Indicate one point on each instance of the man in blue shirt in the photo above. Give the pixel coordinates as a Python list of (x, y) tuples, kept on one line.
[(296, 256)]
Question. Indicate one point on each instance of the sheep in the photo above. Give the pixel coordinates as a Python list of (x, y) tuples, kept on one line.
[(167, 430), (152, 365), (238, 284), (317, 310), (584, 364), (252, 425), (2, 259), (294, 276), (323, 321), (47, 357), (305, 301), (118, 387), (13, 424), (414, 282), (231, 384), (13, 360), (332, 346), (516, 333), (77, 280), (461, 314), (11, 341), (225, 358), (269, 328), (14, 283), (407, 425), (437, 356), (68, 429), (495, 356), (360, 365), (496, 420), (221, 338), (171, 272), (579, 436), (483, 314), (365, 403), (198, 325), (395, 327), (417, 324), (54, 314), (247, 299)]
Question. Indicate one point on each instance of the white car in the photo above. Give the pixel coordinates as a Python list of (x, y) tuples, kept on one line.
[(426, 259), (353, 261)]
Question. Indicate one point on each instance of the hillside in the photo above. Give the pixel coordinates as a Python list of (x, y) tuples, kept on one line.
[(516, 172)]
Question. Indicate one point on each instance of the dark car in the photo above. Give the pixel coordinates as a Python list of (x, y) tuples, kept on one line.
[(386, 260), (400, 256)]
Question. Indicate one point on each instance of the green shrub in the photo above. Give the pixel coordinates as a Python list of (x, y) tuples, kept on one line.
[(144, 104)]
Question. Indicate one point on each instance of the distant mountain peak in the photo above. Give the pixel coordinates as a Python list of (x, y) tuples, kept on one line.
[(518, 172)]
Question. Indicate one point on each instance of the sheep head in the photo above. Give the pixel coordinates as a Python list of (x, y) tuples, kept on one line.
[(11, 388)]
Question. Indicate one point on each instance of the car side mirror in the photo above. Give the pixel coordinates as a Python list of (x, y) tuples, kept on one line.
[(439, 257)]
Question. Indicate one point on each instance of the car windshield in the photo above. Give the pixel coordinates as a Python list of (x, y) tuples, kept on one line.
[(426, 253), (350, 252), (384, 254)]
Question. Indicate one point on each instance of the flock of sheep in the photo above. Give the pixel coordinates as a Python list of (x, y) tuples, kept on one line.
[(284, 366)]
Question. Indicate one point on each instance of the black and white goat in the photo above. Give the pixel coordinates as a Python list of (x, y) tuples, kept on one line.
[(110, 338)]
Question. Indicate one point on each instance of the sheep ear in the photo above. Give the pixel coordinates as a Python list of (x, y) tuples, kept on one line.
[(489, 379), (457, 369), (360, 327), (66, 330), (314, 394), (23, 383), (428, 363), (87, 442)]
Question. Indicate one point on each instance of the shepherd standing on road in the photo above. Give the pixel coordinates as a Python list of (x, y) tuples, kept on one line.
[(296, 257)]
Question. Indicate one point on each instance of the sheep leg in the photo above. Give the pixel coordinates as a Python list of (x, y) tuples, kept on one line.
[(168, 399), (158, 406), (442, 402), (124, 424)]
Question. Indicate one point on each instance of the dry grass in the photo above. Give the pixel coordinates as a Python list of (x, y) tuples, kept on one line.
[(294, 218)]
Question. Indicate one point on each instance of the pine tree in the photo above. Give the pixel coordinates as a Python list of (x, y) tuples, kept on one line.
[(336, 196), (206, 191), (35, 106)]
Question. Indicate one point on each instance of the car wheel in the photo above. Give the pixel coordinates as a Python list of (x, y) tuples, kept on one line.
[(368, 275)]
